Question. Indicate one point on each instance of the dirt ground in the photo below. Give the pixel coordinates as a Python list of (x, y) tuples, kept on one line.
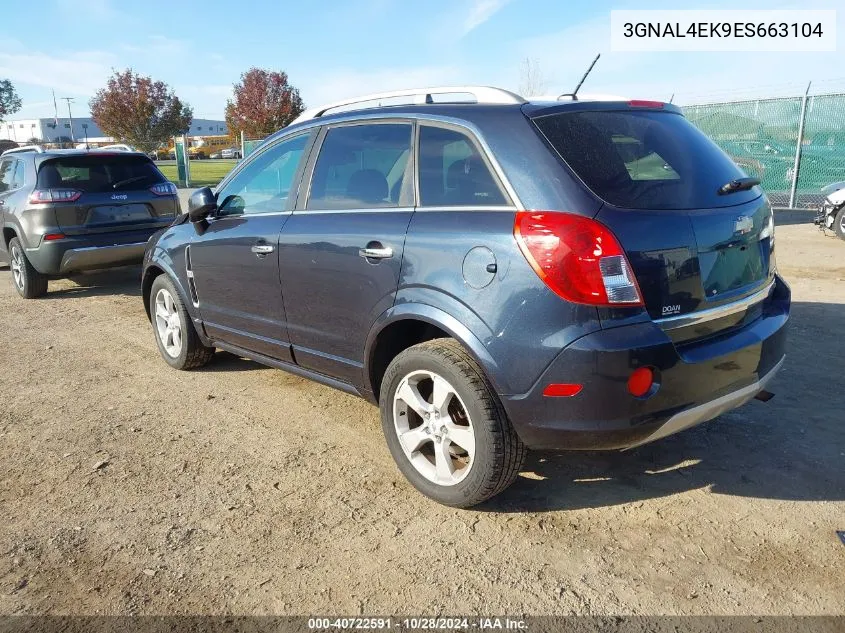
[(129, 488)]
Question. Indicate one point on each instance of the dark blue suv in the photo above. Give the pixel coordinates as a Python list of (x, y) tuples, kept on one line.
[(495, 275)]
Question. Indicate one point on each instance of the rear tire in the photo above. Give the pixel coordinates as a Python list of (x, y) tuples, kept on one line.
[(839, 223), (178, 342), (29, 283), (457, 445)]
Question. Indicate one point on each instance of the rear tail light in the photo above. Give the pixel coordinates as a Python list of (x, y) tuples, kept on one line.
[(577, 258), (52, 237), (42, 196), (164, 189)]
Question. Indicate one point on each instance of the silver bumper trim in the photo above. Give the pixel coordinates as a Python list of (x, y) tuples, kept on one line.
[(702, 316), (709, 410)]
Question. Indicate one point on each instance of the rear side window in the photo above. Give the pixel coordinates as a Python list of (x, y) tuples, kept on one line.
[(643, 160), (94, 173), (19, 177), (361, 166), (7, 174), (452, 171)]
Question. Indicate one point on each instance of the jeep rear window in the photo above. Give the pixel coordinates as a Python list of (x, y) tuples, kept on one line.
[(643, 160), (101, 173)]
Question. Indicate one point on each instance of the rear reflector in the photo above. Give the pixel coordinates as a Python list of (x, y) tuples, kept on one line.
[(577, 258), (640, 103), (640, 381), (164, 189), (43, 196), (558, 390), (52, 237)]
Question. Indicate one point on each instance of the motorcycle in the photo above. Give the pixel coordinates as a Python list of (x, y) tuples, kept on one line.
[(831, 214)]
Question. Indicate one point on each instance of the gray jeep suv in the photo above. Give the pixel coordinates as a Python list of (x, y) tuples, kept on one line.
[(496, 276), (70, 211)]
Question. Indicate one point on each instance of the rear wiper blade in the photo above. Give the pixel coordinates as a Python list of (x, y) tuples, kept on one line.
[(740, 184), (120, 183)]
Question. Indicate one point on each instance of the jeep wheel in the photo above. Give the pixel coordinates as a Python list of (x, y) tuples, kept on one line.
[(177, 340), (445, 427), (839, 223), (28, 282)]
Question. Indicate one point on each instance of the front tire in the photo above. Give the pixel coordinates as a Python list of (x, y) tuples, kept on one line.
[(29, 283), (839, 223), (445, 426), (177, 340)]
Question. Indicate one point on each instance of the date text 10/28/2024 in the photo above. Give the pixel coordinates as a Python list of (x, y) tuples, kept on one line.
[(419, 624)]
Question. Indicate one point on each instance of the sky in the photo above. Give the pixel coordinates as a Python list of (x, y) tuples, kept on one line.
[(333, 50)]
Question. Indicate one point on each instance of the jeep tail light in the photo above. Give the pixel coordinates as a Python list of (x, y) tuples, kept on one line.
[(42, 196), (164, 189), (577, 258)]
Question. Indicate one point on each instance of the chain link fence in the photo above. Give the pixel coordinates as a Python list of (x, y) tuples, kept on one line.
[(763, 135)]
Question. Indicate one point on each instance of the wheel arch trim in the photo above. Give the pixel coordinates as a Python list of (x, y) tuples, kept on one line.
[(452, 326)]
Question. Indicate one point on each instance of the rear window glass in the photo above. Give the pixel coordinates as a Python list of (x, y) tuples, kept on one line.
[(643, 160), (97, 174)]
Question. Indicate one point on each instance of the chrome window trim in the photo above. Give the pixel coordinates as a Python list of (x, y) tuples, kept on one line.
[(702, 316)]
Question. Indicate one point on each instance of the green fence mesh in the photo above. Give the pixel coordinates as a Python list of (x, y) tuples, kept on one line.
[(762, 135)]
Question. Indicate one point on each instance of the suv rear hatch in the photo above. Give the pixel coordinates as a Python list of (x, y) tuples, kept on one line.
[(106, 192), (691, 246)]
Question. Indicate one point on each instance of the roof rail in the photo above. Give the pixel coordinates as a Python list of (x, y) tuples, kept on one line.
[(24, 148), (482, 94)]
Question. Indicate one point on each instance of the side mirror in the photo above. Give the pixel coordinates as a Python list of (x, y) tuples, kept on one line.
[(201, 203)]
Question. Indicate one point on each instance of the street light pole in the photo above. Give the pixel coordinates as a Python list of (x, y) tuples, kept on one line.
[(70, 116)]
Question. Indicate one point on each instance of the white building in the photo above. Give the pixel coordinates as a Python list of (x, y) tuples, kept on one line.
[(84, 128)]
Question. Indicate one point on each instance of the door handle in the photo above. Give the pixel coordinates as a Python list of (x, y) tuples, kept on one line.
[(384, 252), (262, 249), (2, 203)]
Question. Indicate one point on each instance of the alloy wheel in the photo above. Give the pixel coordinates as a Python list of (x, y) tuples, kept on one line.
[(434, 427), (168, 323), (17, 265)]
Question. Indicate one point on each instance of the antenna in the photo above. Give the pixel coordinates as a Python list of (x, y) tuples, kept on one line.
[(574, 93)]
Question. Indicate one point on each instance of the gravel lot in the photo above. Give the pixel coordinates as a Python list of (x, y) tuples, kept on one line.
[(130, 488)]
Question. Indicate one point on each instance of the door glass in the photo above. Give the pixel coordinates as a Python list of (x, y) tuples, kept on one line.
[(7, 170), (361, 166), (264, 185), (452, 171)]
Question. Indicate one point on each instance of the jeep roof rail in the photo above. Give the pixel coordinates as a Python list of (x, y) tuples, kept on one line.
[(482, 94), (24, 148)]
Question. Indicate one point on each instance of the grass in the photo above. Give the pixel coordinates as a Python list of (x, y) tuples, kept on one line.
[(204, 173)]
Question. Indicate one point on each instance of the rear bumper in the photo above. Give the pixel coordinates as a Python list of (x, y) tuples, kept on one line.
[(89, 252), (696, 382)]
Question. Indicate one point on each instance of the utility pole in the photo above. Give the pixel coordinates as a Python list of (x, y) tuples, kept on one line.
[(70, 116)]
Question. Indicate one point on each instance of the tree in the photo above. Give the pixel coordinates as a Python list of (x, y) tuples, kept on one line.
[(6, 144), (10, 102), (263, 102), (139, 111), (34, 141), (531, 81)]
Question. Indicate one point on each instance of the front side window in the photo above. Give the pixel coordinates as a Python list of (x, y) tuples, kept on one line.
[(264, 185), (453, 172), (361, 167)]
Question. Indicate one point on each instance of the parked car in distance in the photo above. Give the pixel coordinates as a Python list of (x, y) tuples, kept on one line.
[(67, 211), (216, 155), (230, 152), (496, 275)]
